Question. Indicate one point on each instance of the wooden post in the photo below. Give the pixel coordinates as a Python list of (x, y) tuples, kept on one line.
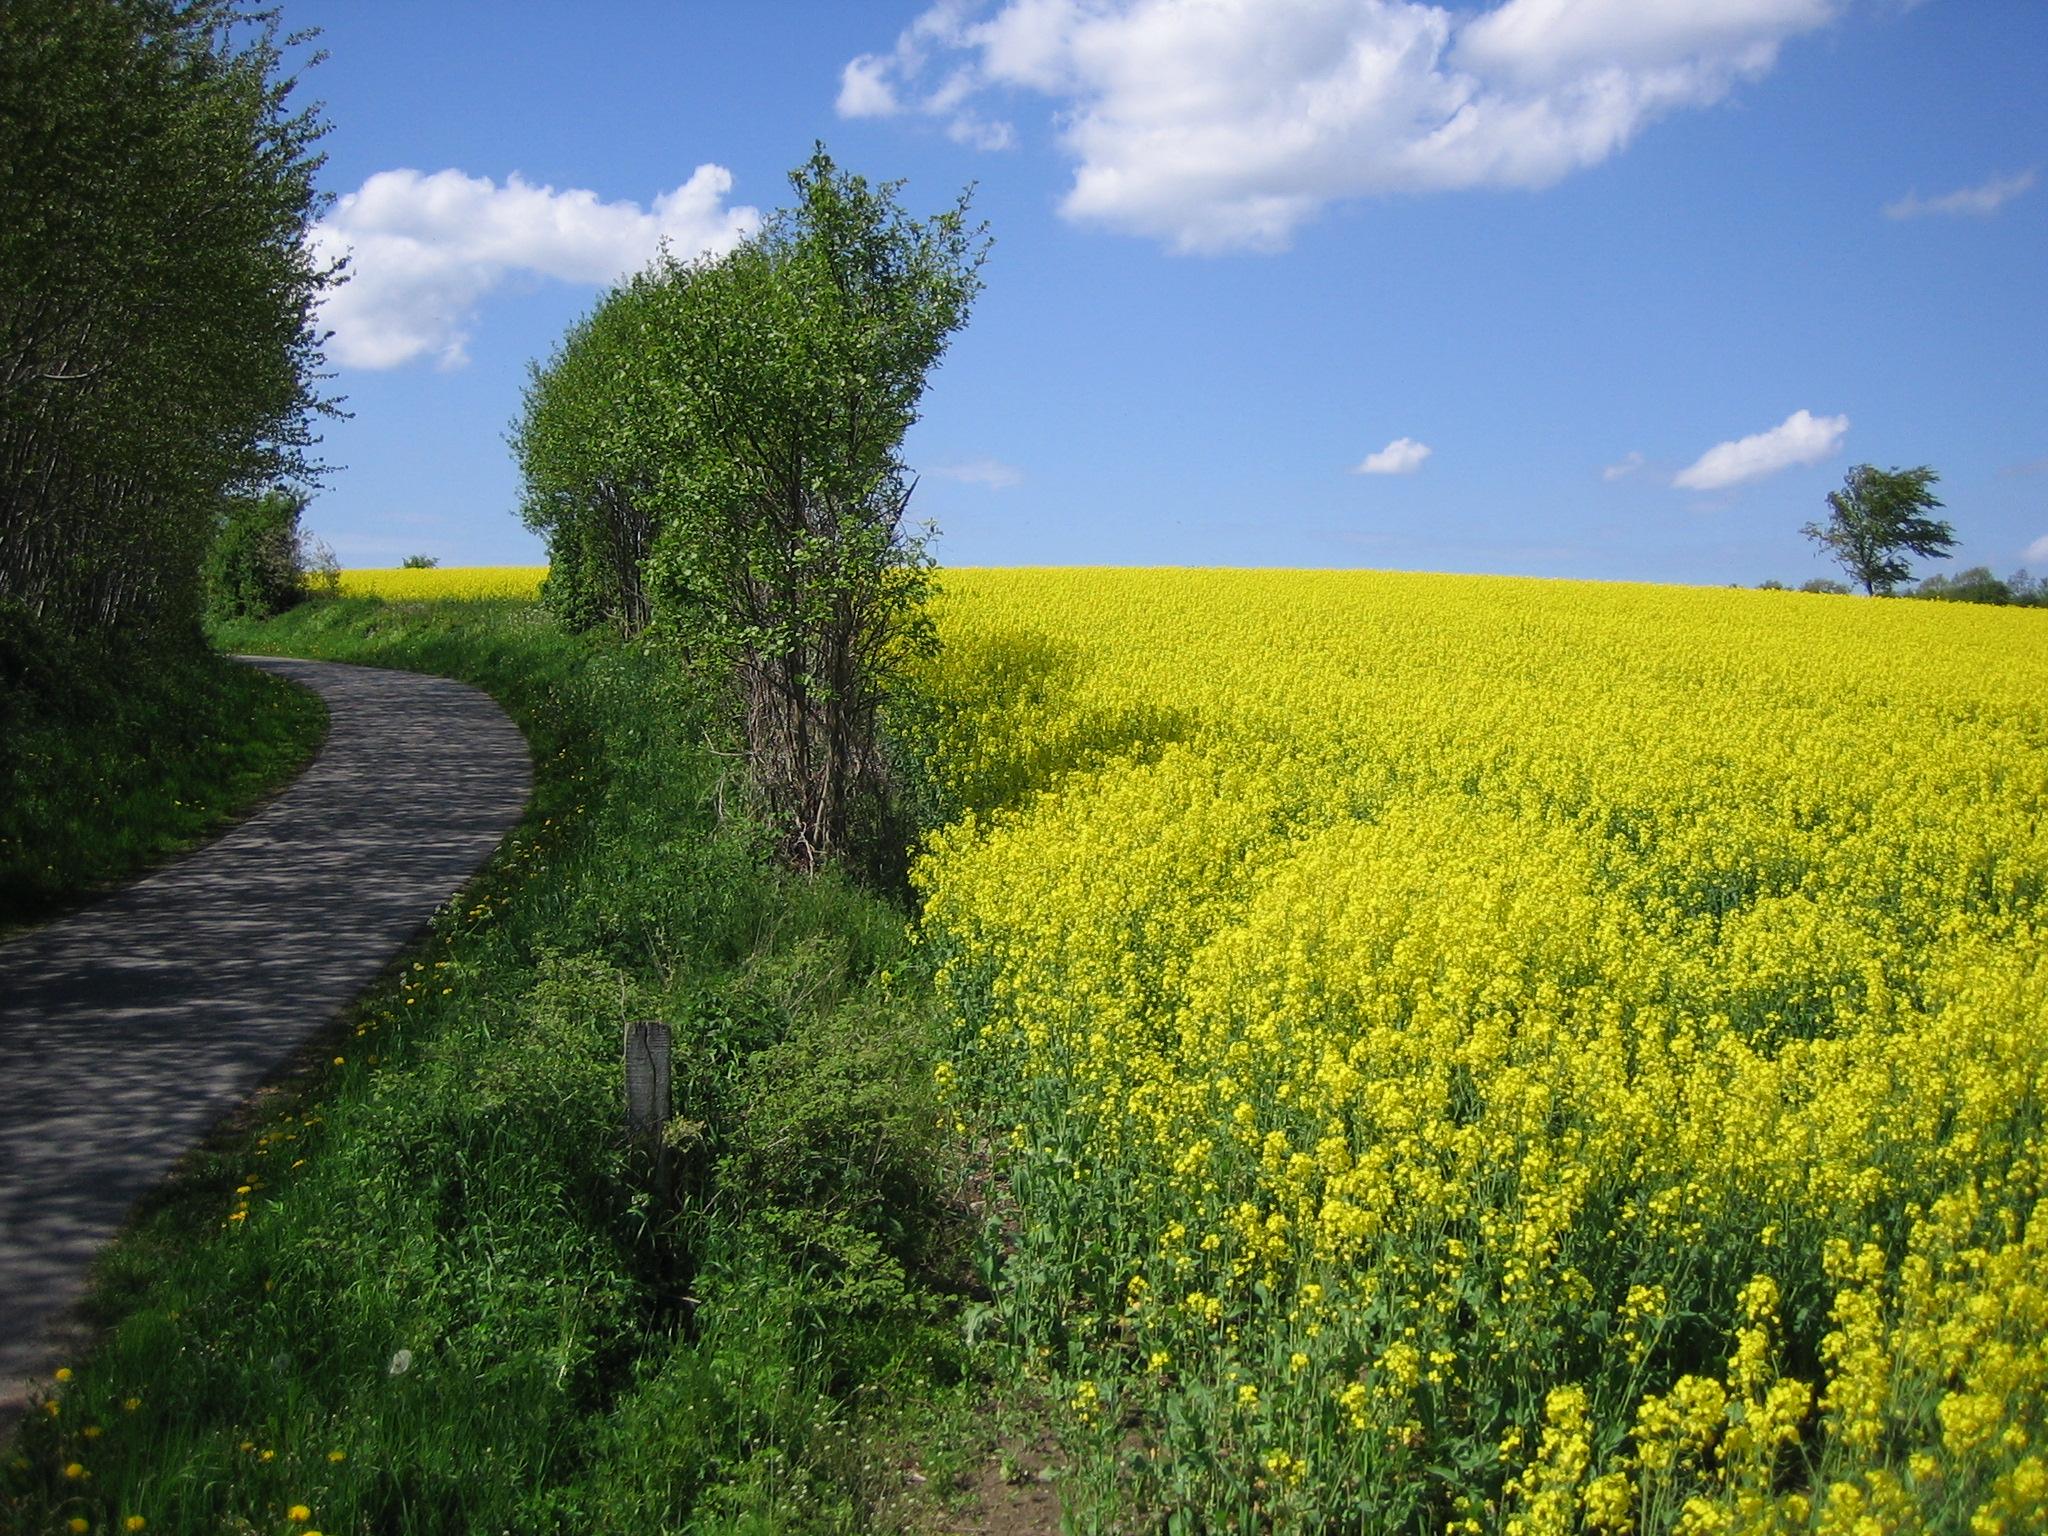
[(647, 1097)]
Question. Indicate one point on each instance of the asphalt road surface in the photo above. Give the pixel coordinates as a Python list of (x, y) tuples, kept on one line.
[(129, 1028)]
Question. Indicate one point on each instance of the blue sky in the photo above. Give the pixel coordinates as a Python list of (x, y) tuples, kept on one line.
[(1598, 288)]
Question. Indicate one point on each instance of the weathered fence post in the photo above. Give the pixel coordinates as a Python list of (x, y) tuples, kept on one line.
[(647, 1098)]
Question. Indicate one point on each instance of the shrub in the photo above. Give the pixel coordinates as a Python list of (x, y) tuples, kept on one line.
[(255, 567)]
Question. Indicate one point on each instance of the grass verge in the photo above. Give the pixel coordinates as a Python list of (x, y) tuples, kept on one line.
[(425, 1285), (112, 758)]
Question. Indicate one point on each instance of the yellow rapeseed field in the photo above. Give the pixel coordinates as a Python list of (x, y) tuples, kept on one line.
[(458, 581), (1491, 1055)]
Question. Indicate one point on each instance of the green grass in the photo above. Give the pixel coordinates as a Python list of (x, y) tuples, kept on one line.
[(424, 1286), (113, 758)]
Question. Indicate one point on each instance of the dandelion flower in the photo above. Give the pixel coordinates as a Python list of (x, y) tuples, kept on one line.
[(74, 1471), (299, 1513), (63, 1373), (337, 1456), (133, 1523)]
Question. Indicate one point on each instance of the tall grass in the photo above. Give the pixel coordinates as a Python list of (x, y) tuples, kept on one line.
[(114, 756)]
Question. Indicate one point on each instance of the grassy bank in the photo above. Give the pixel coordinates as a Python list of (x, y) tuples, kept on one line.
[(113, 758), (427, 1288)]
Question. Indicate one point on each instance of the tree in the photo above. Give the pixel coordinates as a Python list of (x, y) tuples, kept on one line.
[(256, 566), (157, 340), (590, 440), (794, 367), (1876, 519), (1975, 585)]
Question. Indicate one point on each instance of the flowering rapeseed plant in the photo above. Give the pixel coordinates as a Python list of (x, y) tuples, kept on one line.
[(1556, 1056), (521, 581)]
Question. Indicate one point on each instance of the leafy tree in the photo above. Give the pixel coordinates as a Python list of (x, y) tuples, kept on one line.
[(157, 344), (1876, 519), (590, 441), (256, 565), (418, 563), (1824, 585), (797, 364), (1975, 585)]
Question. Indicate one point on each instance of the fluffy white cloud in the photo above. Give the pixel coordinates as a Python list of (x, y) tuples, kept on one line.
[(1623, 469), (2037, 552), (993, 473), (424, 250), (1225, 124), (1403, 456), (1983, 199), (1801, 438)]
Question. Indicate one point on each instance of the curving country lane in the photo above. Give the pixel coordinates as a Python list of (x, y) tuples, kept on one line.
[(128, 1028)]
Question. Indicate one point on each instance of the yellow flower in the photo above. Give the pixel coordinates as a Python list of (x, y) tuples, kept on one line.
[(337, 1456), (63, 1373), (299, 1513), (74, 1471), (130, 1404), (91, 1431), (134, 1523), (76, 1524)]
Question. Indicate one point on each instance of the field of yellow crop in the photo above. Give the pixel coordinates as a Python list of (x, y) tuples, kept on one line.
[(459, 581), (1508, 1056)]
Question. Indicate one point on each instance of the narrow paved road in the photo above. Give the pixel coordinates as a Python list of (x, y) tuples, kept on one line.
[(129, 1028)]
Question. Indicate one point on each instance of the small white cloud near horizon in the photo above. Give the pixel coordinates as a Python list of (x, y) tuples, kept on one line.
[(1624, 469), (993, 473), (1801, 438), (424, 250), (1403, 456), (1982, 200), (2037, 552), (1225, 125)]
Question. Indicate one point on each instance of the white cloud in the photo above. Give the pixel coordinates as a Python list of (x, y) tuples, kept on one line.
[(864, 89), (424, 251), (1982, 200), (1623, 469), (2037, 552), (993, 473), (1801, 438), (1226, 124), (885, 84), (1403, 456)]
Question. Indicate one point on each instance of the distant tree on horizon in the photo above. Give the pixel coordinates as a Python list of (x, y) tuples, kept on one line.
[(1876, 519)]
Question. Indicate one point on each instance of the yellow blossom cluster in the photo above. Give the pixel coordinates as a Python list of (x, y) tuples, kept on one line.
[(434, 582), (1542, 1055)]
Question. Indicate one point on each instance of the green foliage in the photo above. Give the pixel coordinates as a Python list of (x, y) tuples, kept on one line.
[(797, 365), (1877, 519), (589, 442), (418, 563), (254, 568), (716, 448), (157, 341), (452, 1268), (1978, 585), (113, 758), (1825, 585)]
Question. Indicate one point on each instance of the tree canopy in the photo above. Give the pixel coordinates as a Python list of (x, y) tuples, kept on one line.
[(1877, 519), (716, 450), (157, 345)]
